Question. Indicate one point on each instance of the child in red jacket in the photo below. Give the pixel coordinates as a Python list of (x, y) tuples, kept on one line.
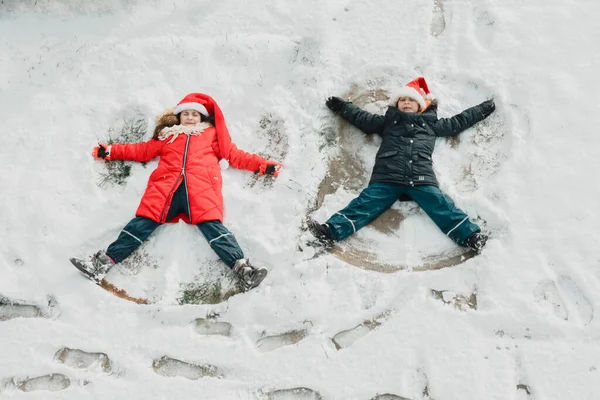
[(186, 185)]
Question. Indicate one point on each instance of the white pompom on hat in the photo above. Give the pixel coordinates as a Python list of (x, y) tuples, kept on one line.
[(192, 102), (417, 90)]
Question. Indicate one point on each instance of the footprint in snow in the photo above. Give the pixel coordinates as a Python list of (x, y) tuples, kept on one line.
[(50, 382), (565, 299), (438, 21)]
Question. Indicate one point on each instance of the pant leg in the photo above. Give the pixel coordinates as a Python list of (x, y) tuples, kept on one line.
[(130, 238), (179, 202), (140, 228), (222, 241), (442, 210), (371, 203)]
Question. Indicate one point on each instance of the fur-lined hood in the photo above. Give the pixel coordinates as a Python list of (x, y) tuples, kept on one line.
[(168, 123), (176, 130)]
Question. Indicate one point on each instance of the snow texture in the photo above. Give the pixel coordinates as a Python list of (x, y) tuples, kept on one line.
[(518, 321)]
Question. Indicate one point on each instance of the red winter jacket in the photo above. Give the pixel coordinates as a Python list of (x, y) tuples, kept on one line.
[(193, 157)]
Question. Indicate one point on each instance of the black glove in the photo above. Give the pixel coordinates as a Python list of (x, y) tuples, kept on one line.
[(487, 107), (270, 170), (335, 104), (101, 151)]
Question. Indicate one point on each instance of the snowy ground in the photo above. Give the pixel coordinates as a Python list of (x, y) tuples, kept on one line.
[(517, 322)]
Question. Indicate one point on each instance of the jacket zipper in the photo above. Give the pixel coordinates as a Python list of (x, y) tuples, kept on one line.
[(187, 197), (172, 192)]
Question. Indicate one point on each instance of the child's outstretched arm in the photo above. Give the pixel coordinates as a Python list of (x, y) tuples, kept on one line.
[(466, 119), (363, 120), (241, 159), (141, 152)]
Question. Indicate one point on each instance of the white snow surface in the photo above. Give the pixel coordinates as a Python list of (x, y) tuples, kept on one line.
[(70, 68)]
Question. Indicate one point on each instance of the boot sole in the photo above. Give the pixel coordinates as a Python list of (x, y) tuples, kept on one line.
[(259, 276)]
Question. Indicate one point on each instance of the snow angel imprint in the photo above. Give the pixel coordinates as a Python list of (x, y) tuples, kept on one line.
[(190, 140), (403, 166)]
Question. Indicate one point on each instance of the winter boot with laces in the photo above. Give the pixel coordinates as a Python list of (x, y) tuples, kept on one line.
[(96, 267), (250, 276), (321, 232), (476, 242)]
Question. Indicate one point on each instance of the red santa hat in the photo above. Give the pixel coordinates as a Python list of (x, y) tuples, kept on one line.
[(193, 101), (417, 90), (206, 106)]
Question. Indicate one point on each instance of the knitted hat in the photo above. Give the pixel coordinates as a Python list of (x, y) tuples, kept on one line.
[(206, 105), (417, 90), (193, 101)]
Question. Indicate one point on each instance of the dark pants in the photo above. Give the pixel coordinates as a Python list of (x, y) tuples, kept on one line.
[(378, 197), (221, 240)]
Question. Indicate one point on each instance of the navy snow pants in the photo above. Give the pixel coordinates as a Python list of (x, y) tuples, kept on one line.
[(378, 197), (221, 240)]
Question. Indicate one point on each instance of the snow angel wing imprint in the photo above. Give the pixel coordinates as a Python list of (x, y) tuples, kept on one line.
[(190, 140)]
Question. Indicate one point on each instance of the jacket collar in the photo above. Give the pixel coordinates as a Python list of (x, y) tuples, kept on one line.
[(176, 130), (428, 114)]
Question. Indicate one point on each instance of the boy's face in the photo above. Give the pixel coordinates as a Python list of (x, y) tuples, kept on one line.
[(407, 104), (189, 117)]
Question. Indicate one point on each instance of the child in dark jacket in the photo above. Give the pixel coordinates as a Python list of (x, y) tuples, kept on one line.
[(403, 165)]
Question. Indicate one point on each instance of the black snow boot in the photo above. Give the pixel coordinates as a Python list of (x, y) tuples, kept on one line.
[(321, 232), (476, 241), (96, 267), (250, 276)]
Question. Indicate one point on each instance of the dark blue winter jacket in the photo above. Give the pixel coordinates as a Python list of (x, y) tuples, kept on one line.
[(404, 157)]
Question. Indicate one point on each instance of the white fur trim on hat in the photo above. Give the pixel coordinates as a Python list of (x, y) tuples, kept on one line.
[(191, 106), (408, 91), (431, 97)]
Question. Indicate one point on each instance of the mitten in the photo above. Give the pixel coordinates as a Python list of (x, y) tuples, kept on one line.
[(271, 168), (487, 107), (101, 152), (335, 104)]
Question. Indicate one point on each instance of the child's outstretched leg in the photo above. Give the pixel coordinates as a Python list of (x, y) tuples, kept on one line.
[(371, 203), (135, 233), (449, 218), (130, 238), (222, 241)]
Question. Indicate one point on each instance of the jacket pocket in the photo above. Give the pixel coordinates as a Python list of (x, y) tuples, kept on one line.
[(424, 155), (214, 176), (387, 154)]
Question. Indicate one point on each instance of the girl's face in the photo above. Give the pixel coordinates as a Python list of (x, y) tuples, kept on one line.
[(407, 104), (189, 117)]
